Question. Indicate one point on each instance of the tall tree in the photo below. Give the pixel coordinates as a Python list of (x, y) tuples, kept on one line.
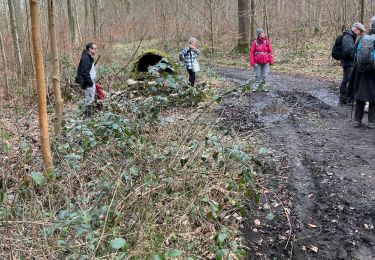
[(362, 14), (210, 5), (87, 12), (15, 36), (95, 17), (6, 93), (72, 23), (243, 25), (40, 78), (55, 66), (252, 18), (265, 18)]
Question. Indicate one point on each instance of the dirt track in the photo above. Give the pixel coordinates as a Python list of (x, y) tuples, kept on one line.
[(318, 198)]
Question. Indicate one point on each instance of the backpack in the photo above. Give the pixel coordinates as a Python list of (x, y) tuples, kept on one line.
[(182, 56), (336, 49), (365, 53)]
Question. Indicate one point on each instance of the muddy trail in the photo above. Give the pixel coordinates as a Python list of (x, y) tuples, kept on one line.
[(318, 196)]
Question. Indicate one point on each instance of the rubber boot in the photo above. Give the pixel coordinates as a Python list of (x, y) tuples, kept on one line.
[(88, 111), (343, 100)]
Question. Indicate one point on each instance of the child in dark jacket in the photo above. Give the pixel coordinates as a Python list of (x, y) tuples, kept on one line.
[(260, 58)]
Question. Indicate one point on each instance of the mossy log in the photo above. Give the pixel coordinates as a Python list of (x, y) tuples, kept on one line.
[(151, 58)]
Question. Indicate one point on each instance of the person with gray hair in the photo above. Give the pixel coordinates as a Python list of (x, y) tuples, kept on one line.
[(347, 59), (362, 82), (189, 56), (372, 21)]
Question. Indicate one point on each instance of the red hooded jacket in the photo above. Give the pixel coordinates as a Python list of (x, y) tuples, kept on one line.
[(261, 52)]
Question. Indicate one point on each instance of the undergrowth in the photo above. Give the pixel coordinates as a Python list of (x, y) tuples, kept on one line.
[(149, 176)]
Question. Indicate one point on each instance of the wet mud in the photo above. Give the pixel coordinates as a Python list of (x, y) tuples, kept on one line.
[(318, 186)]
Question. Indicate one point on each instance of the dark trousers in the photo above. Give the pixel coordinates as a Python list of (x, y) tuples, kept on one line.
[(347, 73), (191, 77), (360, 111)]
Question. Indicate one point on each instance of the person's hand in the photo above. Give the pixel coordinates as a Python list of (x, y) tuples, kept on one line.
[(249, 66)]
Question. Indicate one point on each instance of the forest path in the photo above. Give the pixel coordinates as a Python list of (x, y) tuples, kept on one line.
[(318, 195)]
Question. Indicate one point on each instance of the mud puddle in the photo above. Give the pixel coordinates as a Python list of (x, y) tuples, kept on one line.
[(318, 196)]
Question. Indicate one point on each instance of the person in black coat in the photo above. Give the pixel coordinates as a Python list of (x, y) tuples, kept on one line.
[(362, 88), (86, 74), (347, 59)]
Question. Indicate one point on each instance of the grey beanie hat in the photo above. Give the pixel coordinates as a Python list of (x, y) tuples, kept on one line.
[(259, 31)]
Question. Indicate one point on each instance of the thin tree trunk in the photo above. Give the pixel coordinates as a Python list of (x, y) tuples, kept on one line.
[(55, 66), (9, 31), (265, 19), (252, 18), (211, 23), (15, 36), (87, 12), (361, 18), (76, 19), (72, 24), (95, 17), (32, 89), (318, 18), (6, 93), (40, 76), (343, 26), (243, 25)]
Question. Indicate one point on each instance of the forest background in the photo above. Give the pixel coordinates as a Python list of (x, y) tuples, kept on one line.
[(129, 208)]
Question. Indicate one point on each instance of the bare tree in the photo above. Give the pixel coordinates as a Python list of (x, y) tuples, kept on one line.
[(55, 66), (362, 14), (72, 23), (6, 93), (252, 18), (15, 36), (40, 78), (265, 18), (95, 17), (243, 25)]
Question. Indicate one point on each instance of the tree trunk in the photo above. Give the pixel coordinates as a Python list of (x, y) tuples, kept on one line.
[(72, 24), (252, 18), (40, 76), (95, 17), (20, 28), (211, 24), (14, 29), (265, 19), (362, 14), (75, 12), (6, 93), (318, 18), (55, 67), (243, 25)]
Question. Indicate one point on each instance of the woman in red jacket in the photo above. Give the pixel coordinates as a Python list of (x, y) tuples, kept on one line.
[(260, 59)]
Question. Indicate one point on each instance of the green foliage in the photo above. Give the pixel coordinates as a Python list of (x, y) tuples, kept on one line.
[(4, 142), (119, 243), (131, 183), (223, 247), (38, 178)]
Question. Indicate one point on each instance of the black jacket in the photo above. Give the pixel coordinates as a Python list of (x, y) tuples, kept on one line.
[(83, 73), (362, 84), (347, 48)]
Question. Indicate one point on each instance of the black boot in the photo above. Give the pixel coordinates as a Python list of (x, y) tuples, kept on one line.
[(343, 100), (88, 111)]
